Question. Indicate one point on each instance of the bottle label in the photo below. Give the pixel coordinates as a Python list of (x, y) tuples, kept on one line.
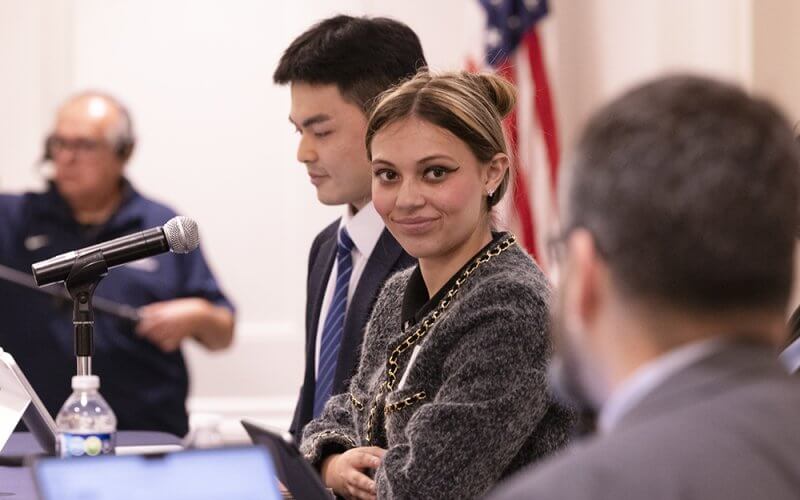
[(85, 445)]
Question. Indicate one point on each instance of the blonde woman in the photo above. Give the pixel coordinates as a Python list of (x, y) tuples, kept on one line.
[(450, 393)]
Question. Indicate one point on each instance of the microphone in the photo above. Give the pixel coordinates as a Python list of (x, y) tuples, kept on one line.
[(178, 235)]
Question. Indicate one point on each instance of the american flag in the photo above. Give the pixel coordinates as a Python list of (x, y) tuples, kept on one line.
[(514, 50)]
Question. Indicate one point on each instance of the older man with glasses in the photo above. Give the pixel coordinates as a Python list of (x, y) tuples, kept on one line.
[(89, 200)]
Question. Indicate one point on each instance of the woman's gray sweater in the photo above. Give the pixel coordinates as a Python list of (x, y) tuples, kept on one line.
[(474, 406)]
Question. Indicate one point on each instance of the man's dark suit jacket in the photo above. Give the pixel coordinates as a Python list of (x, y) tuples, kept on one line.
[(726, 427), (387, 258)]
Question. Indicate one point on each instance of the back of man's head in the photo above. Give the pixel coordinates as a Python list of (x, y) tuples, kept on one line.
[(361, 56), (690, 189)]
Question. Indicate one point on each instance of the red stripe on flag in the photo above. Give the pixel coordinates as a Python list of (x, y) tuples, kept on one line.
[(522, 201), (543, 103)]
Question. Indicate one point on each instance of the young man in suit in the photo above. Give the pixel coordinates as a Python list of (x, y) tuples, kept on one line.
[(336, 69), (680, 210)]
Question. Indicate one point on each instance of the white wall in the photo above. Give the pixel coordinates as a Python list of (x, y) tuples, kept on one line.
[(601, 47), (776, 53), (214, 140)]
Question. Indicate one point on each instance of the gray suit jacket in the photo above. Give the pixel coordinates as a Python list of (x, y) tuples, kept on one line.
[(727, 427)]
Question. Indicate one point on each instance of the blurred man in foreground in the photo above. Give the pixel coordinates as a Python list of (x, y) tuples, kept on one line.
[(679, 210)]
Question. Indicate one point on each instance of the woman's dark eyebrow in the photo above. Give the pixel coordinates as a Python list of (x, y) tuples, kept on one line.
[(419, 162), (435, 157)]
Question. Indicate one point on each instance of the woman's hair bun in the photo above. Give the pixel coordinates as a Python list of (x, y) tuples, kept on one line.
[(499, 91)]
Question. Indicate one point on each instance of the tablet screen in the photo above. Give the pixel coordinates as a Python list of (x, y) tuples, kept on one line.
[(241, 473)]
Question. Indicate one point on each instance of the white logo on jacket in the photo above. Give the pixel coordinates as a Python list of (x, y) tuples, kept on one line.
[(148, 265), (37, 241)]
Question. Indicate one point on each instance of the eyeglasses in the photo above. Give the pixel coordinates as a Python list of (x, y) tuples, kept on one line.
[(556, 253), (557, 246), (57, 145)]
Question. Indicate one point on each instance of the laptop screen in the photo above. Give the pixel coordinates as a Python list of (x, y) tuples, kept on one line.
[(241, 473)]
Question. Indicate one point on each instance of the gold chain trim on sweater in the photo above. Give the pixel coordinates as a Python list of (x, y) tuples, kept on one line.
[(337, 434), (392, 365), (401, 405), (347, 440), (359, 406)]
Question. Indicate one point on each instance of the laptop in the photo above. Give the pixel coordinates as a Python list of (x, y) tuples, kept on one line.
[(36, 417), (294, 471), (244, 473)]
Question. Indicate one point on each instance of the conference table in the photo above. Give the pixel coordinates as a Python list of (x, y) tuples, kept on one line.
[(16, 482)]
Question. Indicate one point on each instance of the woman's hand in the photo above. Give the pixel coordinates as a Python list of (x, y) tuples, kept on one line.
[(345, 473)]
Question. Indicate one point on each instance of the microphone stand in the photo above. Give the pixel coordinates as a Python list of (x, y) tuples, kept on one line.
[(121, 311), (84, 276)]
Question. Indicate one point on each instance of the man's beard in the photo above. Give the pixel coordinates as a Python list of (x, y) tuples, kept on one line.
[(569, 378)]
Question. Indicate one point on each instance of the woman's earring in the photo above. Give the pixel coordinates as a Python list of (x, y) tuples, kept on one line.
[(490, 195)]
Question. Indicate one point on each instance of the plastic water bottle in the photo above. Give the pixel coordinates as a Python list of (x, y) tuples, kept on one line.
[(86, 425), (205, 431)]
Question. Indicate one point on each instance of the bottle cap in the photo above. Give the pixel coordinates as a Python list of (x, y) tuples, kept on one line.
[(205, 420), (85, 382)]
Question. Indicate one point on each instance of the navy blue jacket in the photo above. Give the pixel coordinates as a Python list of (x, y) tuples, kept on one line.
[(145, 387), (387, 258)]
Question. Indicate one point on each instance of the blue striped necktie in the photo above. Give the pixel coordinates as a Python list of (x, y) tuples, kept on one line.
[(334, 323)]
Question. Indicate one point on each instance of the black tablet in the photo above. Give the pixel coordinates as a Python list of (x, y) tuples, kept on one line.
[(292, 468)]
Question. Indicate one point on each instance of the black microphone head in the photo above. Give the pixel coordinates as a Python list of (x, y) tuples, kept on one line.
[(182, 235)]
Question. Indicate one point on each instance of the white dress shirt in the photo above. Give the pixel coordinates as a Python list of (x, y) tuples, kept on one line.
[(648, 377), (790, 357), (364, 228)]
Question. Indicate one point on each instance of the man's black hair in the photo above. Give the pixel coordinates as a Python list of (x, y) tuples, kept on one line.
[(361, 56)]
